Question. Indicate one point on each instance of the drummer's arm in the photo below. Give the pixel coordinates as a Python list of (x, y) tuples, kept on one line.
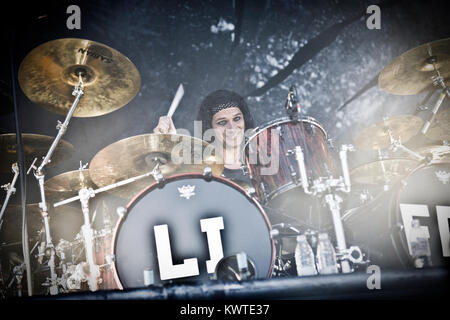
[(165, 125)]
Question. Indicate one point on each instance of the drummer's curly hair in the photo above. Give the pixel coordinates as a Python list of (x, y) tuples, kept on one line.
[(219, 100)]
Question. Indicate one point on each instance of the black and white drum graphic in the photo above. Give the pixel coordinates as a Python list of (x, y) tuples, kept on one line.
[(181, 231)]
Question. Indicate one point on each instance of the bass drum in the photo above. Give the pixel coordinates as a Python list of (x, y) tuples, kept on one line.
[(411, 221), (176, 213)]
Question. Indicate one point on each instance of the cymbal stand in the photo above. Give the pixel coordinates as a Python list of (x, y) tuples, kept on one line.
[(40, 176), (328, 186), (438, 81), (10, 190), (84, 195), (397, 144)]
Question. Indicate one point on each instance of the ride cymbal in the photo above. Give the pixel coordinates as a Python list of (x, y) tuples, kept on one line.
[(377, 135), (34, 146), (49, 73), (411, 72), (140, 154)]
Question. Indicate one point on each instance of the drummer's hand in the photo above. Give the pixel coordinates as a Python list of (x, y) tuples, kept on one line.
[(165, 125)]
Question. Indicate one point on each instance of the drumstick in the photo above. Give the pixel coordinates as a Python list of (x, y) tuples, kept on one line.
[(176, 100)]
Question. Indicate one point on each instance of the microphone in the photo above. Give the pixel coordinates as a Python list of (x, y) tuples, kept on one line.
[(292, 106)]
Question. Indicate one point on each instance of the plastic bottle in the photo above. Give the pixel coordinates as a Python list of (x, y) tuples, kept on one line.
[(326, 256), (304, 257)]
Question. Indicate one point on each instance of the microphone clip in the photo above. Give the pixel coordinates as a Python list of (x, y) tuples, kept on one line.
[(292, 106)]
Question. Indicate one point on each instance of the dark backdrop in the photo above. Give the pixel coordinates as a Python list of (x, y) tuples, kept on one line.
[(264, 49)]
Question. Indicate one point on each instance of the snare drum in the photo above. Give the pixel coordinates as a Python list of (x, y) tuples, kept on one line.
[(274, 170), (180, 230), (409, 221)]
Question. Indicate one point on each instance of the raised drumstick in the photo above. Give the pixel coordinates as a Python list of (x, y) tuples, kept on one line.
[(176, 100)]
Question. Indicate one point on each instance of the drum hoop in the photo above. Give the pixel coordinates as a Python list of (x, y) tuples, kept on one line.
[(284, 188), (272, 123), (179, 177), (397, 238)]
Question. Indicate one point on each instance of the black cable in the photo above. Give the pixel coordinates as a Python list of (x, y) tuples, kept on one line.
[(22, 170)]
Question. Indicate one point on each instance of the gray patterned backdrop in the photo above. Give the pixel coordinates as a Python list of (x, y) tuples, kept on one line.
[(258, 48)]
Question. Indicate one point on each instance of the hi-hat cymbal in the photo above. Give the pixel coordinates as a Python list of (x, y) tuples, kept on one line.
[(382, 172), (34, 146), (66, 185), (440, 127), (50, 71), (138, 155), (411, 72), (377, 136)]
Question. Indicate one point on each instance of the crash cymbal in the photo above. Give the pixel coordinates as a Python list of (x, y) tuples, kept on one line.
[(440, 127), (138, 155), (411, 72), (376, 136), (382, 172), (65, 222), (66, 185), (50, 71), (35, 146)]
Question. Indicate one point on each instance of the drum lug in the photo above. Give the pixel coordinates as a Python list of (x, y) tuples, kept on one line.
[(207, 173), (265, 194), (279, 130), (251, 192), (160, 180), (121, 212)]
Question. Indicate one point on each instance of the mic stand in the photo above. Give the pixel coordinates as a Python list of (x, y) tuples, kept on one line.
[(40, 176), (87, 232), (10, 190), (328, 186)]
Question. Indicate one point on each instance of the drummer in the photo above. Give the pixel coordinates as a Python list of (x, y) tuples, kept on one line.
[(227, 114)]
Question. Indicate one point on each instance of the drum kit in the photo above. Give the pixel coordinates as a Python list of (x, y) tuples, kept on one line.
[(183, 221)]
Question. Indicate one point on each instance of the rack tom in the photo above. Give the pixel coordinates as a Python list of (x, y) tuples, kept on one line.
[(274, 170)]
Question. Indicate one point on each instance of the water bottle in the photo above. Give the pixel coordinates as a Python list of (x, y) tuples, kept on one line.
[(304, 257), (420, 248), (244, 272), (326, 256)]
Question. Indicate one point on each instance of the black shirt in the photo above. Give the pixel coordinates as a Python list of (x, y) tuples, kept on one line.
[(238, 176)]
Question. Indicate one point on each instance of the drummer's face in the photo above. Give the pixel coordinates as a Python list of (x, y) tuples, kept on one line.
[(229, 126)]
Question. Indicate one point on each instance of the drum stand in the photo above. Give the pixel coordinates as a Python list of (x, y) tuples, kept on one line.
[(397, 144), (10, 190), (40, 176), (328, 187), (87, 232), (438, 81)]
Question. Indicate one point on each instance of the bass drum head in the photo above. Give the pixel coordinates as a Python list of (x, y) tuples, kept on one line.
[(425, 192), (246, 228)]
